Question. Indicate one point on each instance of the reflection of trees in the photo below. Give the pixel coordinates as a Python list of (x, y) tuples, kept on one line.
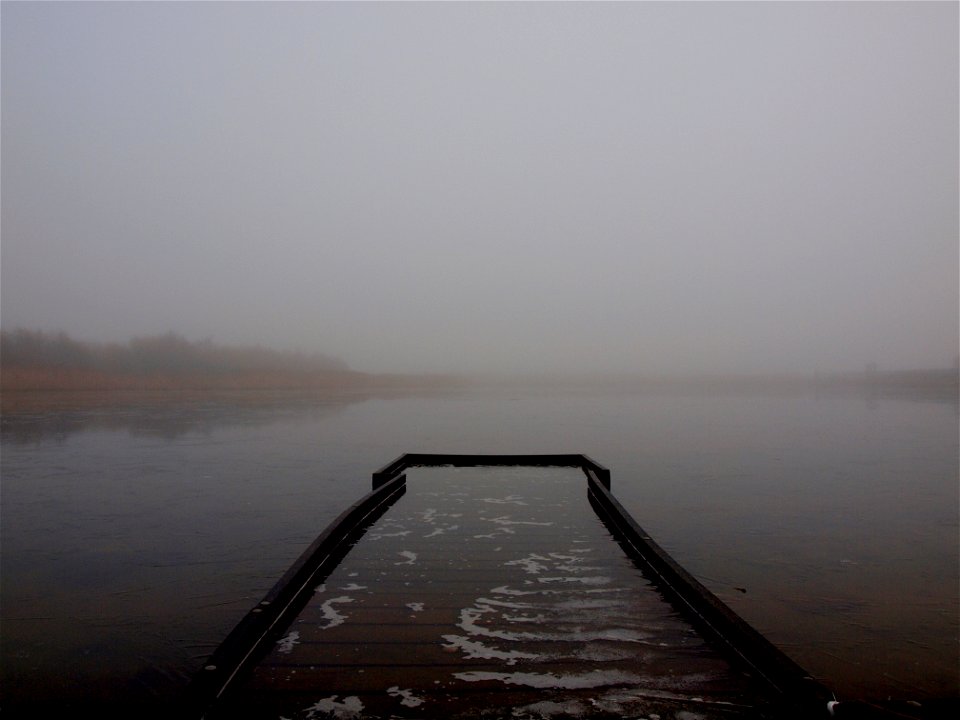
[(31, 417), (46, 417)]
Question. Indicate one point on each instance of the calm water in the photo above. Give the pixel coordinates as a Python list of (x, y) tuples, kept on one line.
[(136, 534)]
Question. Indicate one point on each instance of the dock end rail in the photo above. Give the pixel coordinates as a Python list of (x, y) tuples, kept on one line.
[(396, 467)]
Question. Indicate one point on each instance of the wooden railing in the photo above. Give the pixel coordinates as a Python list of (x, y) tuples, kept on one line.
[(257, 631), (802, 695), (408, 460)]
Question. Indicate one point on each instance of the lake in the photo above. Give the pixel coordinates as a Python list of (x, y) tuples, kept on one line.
[(137, 530)]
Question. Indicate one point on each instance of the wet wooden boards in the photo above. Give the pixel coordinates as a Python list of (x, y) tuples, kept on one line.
[(488, 592)]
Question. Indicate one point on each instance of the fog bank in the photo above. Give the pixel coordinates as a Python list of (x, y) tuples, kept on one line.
[(625, 188)]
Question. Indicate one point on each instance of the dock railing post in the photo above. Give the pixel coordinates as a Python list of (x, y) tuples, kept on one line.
[(390, 471)]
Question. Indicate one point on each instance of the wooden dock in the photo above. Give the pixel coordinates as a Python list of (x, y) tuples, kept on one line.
[(496, 591)]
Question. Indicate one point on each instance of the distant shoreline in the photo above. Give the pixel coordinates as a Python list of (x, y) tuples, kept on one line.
[(37, 362), (53, 379), (33, 378), (935, 378), (33, 389), (34, 361)]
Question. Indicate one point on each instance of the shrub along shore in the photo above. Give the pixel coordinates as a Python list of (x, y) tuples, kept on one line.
[(36, 361), (21, 378)]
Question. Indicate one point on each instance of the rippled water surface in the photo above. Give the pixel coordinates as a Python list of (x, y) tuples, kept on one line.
[(136, 532)]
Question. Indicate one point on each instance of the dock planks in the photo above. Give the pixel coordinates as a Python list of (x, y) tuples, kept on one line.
[(493, 592)]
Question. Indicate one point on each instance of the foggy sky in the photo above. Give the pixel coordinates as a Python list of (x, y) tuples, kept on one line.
[(637, 187)]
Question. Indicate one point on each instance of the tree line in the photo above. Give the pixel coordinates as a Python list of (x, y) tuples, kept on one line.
[(160, 354)]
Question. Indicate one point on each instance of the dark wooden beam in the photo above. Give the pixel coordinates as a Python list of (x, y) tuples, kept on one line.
[(409, 460), (258, 630)]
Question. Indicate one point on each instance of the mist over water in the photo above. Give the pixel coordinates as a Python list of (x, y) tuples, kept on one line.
[(512, 188)]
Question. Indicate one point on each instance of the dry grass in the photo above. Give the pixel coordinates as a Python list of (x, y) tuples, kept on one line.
[(33, 379), (38, 389)]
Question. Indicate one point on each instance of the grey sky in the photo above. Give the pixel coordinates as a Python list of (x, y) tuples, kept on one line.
[(455, 186)]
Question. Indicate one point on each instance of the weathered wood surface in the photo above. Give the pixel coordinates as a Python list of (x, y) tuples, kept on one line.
[(493, 592)]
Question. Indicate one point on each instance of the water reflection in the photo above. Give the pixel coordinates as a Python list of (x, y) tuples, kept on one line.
[(28, 417), (53, 416)]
